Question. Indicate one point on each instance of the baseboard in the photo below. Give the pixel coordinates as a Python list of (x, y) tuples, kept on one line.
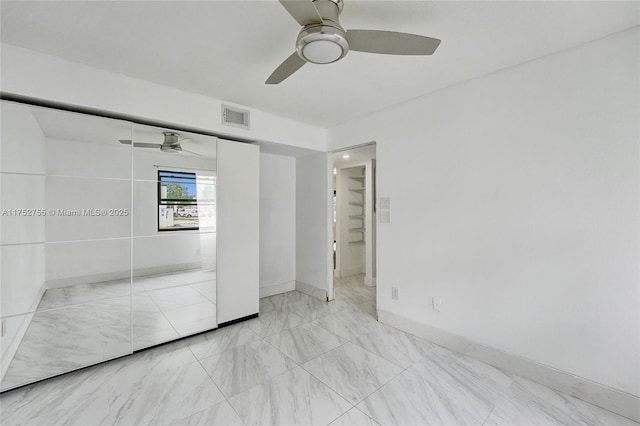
[(354, 270), (166, 269), (368, 281), (611, 399), (121, 275), (271, 290), (312, 291), (12, 347)]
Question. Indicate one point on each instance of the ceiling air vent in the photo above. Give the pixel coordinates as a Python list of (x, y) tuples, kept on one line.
[(235, 117)]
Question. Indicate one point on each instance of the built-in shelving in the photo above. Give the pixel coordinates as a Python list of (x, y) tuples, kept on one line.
[(358, 191)]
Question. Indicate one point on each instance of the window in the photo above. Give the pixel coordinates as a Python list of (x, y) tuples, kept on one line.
[(177, 201)]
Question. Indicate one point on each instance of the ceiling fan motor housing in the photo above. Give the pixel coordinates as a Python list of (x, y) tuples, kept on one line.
[(171, 138), (322, 43), (171, 143)]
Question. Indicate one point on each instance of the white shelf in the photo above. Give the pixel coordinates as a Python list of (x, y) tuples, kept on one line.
[(359, 189)]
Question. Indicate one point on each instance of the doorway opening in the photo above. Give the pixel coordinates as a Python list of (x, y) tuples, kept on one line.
[(354, 226)]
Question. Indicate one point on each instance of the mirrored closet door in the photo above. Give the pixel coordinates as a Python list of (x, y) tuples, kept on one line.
[(174, 235), (106, 246)]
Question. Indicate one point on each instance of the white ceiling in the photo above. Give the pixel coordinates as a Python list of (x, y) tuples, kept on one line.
[(226, 49), (356, 156)]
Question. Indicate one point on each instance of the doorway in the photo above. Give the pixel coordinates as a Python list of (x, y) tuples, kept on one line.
[(354, 226)]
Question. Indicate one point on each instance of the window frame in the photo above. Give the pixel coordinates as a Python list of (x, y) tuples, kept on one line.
[(159, 202)]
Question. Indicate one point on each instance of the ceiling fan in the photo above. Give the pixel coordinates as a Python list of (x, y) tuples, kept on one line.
[(172, 143), (322, 40)]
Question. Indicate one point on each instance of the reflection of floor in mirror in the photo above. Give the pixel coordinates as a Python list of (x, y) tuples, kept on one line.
[(84, 324), (353, 290)]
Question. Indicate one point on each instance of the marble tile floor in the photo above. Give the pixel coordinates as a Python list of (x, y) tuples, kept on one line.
[(85, 324), (315, 369), (352, 289)]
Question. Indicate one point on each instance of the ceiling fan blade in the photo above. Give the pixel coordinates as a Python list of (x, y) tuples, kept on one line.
[(391, 42), (302, 11), (139, 144), (145, 145), (288, 67)]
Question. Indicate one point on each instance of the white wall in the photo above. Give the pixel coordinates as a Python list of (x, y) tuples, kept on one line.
[(313, 212), (83, 173), (29, 73), (22, 260), (238, 201), (514, 198), (277, 224)]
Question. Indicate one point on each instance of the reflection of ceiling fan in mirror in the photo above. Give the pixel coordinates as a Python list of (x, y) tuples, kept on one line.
[(172, 143)]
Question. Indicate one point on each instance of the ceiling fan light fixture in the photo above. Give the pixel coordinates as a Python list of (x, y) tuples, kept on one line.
[(322, 51), (322, 44), (175, 149)]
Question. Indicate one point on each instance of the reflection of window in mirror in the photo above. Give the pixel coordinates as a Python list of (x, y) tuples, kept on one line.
[(177, 201), (186, 201)]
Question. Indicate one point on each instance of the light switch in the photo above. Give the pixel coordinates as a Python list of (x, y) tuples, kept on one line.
[(385, 217)]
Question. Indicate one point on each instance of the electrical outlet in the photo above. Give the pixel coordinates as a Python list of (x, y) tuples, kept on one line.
[(394, 293), (385, 217), (436, 303)]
